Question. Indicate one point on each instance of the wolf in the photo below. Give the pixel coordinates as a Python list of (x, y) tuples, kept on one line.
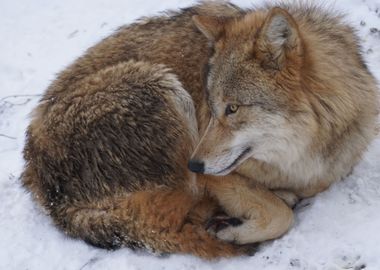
[(293, 105), (108, 145)]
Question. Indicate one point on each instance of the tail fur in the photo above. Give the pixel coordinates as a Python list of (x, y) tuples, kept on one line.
[(155, 220)]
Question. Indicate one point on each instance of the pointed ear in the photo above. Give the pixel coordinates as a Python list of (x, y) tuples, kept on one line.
[(212, 27), (280, 37)]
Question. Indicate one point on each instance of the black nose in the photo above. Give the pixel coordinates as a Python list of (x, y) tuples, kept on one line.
[(196, 166)]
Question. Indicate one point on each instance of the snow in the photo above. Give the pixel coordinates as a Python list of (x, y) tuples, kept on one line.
[(338, 229)]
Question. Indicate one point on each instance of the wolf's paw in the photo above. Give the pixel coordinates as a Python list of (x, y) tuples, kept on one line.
[(229, 229), (218, 223), (232, 234), (241, 233)]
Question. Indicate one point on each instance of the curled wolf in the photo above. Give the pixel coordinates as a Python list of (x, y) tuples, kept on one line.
[(280, 96)]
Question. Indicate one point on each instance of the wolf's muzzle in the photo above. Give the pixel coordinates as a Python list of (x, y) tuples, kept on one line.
[(196, 166)]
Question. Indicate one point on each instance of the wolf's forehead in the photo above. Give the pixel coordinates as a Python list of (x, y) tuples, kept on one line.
[(242, 95), (232, 92), (234, 87)]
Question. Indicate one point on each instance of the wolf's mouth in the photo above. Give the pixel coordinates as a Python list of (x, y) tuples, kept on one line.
[(236, 161)]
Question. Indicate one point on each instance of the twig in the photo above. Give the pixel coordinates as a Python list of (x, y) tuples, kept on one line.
[(6, 136), (16, 96), (18, 104), (89, 263)]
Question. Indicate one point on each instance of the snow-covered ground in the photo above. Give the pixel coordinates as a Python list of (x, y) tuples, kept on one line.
[(338, 229)]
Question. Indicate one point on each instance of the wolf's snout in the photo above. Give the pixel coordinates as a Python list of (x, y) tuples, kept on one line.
[(196, 166)]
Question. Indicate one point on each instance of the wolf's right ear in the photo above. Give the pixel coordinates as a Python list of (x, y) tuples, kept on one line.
[(279, 38), (212, 27)]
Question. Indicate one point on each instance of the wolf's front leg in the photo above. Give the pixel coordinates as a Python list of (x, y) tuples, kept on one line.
[(264, 216)]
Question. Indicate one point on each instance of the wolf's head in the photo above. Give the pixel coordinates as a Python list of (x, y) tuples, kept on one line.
[(254, 91)]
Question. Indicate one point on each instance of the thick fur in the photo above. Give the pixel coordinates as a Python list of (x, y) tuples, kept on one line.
[(108, 145), (107, 160), (305, 104), (107, 148)]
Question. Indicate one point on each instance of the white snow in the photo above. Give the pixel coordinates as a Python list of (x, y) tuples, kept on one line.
[(338, 229)]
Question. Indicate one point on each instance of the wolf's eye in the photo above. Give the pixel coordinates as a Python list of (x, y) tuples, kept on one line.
[(232, 108)]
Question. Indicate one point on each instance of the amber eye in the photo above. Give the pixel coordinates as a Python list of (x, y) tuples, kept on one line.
[(231, 109)]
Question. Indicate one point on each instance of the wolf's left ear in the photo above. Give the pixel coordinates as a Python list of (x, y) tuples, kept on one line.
[(279, 38), (212, 27)]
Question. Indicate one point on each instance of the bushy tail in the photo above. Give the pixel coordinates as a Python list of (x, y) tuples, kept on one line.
[(155, 220)]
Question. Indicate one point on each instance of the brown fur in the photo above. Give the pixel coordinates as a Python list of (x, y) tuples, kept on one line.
[(307, 104), (108, 144)]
